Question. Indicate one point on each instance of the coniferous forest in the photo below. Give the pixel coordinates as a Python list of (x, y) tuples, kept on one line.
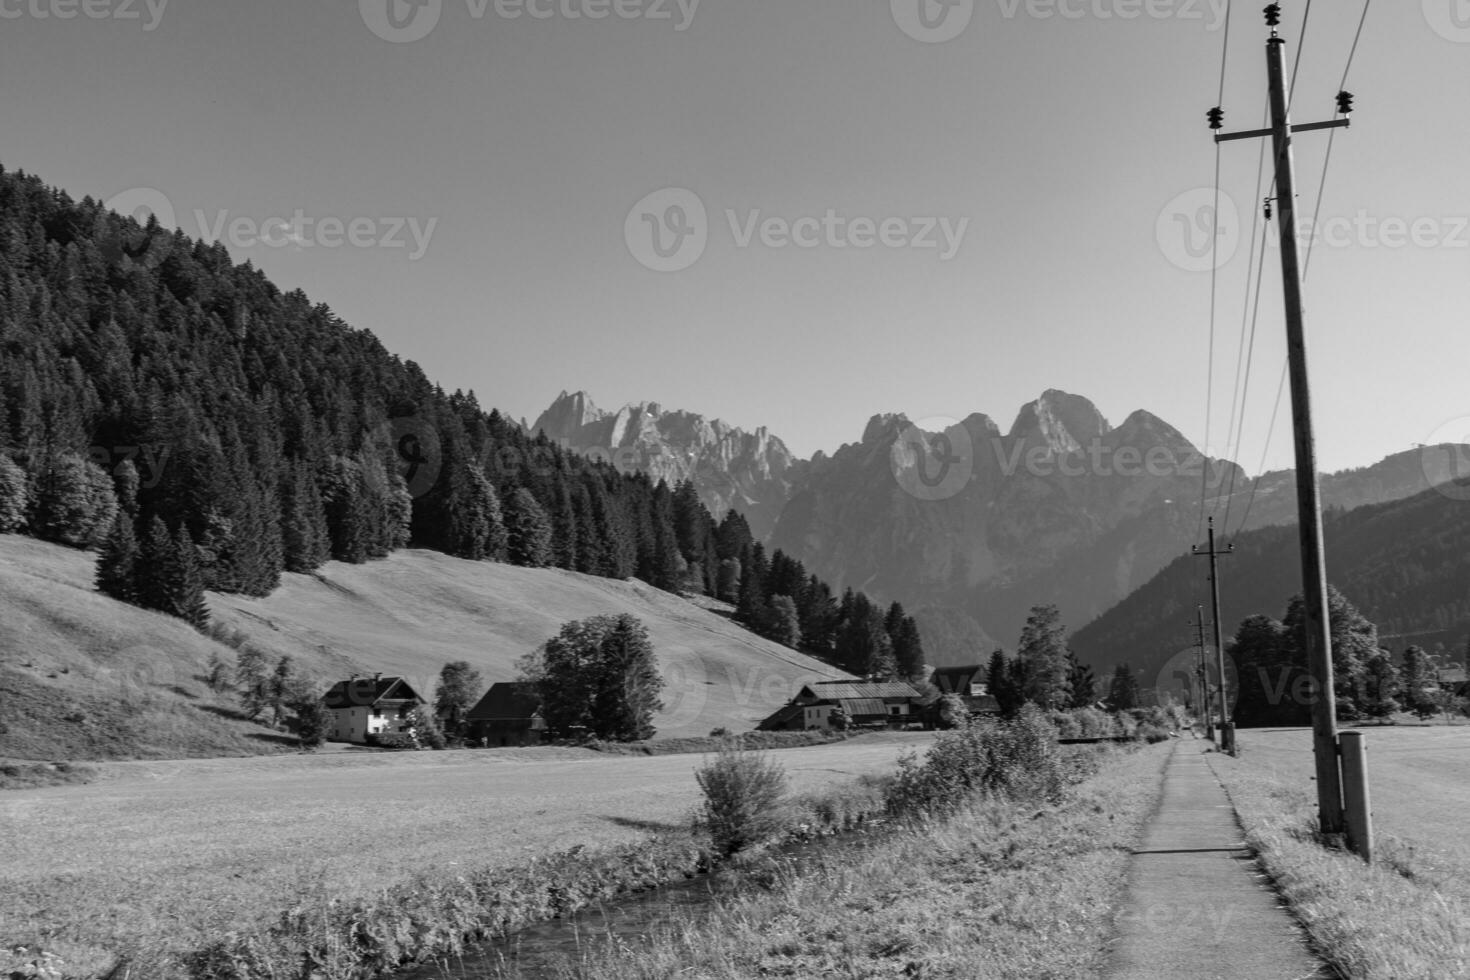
[(203, 430)]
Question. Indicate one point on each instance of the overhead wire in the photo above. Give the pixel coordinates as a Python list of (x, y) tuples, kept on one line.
[(1214, 282)]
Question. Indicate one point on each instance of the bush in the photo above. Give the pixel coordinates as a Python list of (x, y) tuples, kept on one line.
[(391, 740), (742, 799), (1018, 758)]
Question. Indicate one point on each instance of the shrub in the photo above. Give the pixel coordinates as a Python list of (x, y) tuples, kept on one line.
[(742, 798), (391, 740), (1018, 758)]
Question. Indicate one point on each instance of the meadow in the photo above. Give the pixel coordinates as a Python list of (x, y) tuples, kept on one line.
[(1405, 915), (173, 854)]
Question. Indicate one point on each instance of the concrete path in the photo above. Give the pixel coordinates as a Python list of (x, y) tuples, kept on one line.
[(1197, 905)]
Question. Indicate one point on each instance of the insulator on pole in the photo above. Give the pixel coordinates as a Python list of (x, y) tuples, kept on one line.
[(1273, 15), (1216, 117), (1344, 103)]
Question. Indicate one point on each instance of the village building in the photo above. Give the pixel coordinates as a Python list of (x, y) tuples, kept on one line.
[(863, 703), (363, 706), (508, 714), (969, 682)]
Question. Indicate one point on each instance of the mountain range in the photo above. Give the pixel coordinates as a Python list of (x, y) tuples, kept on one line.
[(970, 525)]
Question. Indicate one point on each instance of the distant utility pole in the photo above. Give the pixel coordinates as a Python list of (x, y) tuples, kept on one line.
[(1227, 730), (1309, 505), (1203, 673)]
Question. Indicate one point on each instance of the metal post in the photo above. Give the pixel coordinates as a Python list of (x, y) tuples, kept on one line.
[(1204, 678), (1226, 741), (1357, 807), (1309, 505)]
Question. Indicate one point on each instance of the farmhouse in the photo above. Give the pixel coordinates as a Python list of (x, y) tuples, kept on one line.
[(863, 702), (363, 706), (969, 683), (508, 714)]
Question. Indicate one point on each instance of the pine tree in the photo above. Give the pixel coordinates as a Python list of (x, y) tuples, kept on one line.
[(306, 541), (1123, 689), (1381, 686), (117, 565), (1081, 682), (15, 496), (186, 583), (529, 542), (1418, 682), (1043, 648), (155, 558), (785, 625), (74, 502)]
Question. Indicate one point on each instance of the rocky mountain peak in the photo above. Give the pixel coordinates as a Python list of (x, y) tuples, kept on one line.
[(1063, 422)]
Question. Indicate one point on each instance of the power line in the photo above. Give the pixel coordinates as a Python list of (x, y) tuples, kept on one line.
[(1245, 308), (1255, 317), (1214, 281), (1265, 451), (1331, 137)]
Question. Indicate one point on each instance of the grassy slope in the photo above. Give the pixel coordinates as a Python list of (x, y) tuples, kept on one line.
[(407, 615)]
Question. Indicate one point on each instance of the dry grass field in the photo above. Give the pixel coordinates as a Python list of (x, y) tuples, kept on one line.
[(1405, 916), (172, 854)]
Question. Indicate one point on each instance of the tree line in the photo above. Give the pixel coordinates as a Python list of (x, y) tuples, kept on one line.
[(206, 431)]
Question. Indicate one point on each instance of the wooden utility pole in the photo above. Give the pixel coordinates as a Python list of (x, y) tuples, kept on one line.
[(1309, 505), (1227, 730), (1203, 672)]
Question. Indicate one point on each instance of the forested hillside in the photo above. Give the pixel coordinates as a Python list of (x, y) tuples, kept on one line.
[(205, 430), (1405, 565)]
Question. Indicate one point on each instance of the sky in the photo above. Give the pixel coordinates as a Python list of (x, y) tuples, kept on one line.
[(926, 207)]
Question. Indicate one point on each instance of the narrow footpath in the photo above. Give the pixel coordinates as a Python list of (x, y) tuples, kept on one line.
[(1197, 905)]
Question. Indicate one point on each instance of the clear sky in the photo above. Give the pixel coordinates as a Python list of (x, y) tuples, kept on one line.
[(1053, 139)]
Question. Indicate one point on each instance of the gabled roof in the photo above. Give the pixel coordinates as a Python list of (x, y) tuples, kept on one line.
[(856, 690), (364, 692), (1452, 675), (957, 680), (781, 716), (507, 701), (861, 707)]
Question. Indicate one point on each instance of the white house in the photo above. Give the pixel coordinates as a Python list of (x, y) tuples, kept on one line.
[(363, 706)]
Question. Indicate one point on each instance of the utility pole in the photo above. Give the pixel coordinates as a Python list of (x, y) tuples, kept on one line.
[(1227, 730), (1203, 673), (1309, 505)]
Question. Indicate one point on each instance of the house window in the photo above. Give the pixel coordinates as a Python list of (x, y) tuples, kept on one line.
[(377, 712), (894, 709)]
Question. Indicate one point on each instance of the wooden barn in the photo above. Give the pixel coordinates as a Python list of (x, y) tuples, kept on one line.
[(508, 714), (865, 703)]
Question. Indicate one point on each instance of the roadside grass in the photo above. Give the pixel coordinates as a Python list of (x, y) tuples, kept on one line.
[(1404, 916), (1001, 889)]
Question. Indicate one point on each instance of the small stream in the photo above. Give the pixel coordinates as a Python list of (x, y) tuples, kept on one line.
[(542, 951)]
